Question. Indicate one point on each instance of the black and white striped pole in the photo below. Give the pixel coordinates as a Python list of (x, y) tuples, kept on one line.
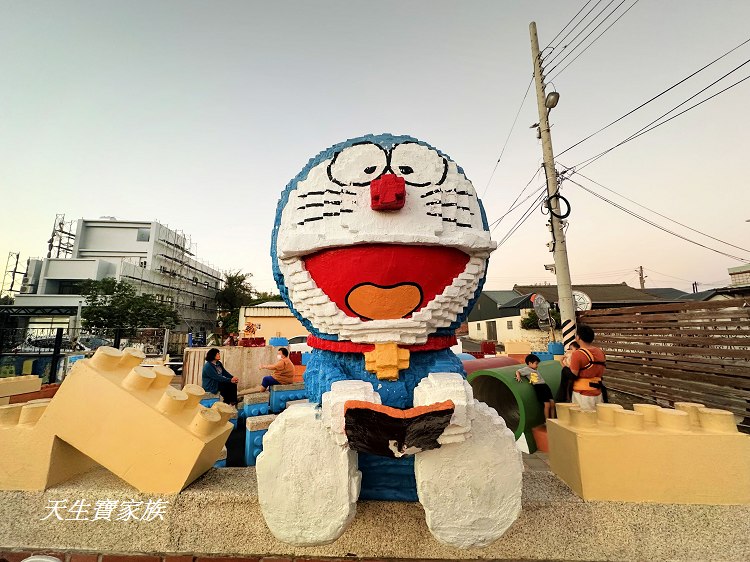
[(545, 102)]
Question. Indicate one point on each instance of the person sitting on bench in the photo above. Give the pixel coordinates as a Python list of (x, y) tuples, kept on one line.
[(283, 372)]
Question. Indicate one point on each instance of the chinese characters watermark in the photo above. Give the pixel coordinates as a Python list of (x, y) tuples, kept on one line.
[(106, 510)]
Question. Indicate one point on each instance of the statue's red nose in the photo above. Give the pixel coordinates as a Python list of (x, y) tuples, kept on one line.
[(388, 193)]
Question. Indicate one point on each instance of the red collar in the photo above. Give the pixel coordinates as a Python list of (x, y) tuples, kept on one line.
[(433, 343)]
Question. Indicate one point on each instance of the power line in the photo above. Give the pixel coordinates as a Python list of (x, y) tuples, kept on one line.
[(567, 53), (552, 56), (663, 216), (566, 25), (520, 107), (655, 225), (657, 96), (582, 41), (523, 218), (594, 41), (513, 205), (650, 127)]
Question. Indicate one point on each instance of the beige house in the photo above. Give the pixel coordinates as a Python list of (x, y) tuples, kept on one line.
[(271, 320)]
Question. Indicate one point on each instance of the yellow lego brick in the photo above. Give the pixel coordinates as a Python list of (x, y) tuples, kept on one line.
[(690, 454), (19, 385), (121, 415), (386, 360)]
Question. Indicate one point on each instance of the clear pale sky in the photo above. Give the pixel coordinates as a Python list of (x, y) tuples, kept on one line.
[(198, 113)]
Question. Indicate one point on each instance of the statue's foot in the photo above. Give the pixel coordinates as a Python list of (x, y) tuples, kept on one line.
[(471, 489), (308, 484)]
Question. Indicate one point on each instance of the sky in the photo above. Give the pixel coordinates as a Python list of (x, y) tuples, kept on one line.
[(197, 114)]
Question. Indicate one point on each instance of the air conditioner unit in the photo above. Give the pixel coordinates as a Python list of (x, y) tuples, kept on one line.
[(26, 289)]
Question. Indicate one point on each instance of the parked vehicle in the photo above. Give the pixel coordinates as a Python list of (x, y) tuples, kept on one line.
[(299, 343)]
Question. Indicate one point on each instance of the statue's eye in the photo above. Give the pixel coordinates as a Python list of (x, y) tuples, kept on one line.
[(358, 164), (421, 165)]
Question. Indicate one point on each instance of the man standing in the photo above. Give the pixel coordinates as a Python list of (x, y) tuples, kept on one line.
[(588, 364)]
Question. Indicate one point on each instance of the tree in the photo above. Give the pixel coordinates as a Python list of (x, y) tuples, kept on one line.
[(236, 293), (531, 322), (116, 304)]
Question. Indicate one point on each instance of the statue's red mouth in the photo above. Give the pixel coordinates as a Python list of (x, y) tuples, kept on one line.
[(384, 281)]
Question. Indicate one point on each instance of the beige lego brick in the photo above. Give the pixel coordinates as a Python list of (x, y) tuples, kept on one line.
[(120, 415), (256, 423), (517, 347), (256, 398), (19, 385), (690, 455), (295, 386)]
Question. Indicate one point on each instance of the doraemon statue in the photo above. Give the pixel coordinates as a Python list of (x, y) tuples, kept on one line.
[(380, 248)]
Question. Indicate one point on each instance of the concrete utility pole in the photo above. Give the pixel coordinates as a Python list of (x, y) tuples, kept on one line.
[(558, 246), (641, 277)]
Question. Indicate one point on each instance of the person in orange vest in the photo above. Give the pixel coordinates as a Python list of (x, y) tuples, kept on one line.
[(588, 365)]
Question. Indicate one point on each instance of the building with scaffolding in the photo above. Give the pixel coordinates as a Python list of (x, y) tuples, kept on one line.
[(154, 258)]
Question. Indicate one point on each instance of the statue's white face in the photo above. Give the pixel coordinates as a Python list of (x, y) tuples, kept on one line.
[(382, 244)]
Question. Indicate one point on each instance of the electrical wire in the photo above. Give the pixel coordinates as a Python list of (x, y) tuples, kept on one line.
[(662, 215), (657, 96), (567, 53), (655, 225), (566, 25), (594, 41), (650, 128), (560, 42), (513, 205), (522, 220), (520, 107), (582, 41)]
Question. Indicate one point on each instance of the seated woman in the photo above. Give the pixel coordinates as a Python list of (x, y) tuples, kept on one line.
[(216, 379), (283, 372)]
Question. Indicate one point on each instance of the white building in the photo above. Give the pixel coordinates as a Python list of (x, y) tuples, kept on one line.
[(152, 257)]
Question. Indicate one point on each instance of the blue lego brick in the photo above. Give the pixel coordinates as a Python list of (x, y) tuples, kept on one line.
[(387, 479), (278, 398), (278, 342), (544, 355), (208, 402), (253, 445), (222, 463), (252, 410), (555, 348)]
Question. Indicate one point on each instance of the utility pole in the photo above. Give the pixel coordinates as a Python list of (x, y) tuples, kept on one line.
[(641, 277), (558, 246)]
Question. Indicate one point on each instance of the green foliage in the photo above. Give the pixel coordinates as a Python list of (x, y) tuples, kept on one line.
[(116, 304), (238, 292), (6, 299), (531, 322)]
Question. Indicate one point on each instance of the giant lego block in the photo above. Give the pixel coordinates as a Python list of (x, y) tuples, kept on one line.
[(10, 386), (256, 405), (690, 454), (280, 394), (123, 416), (256, 427)]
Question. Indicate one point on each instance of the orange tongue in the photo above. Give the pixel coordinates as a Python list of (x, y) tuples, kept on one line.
[(382, 303)]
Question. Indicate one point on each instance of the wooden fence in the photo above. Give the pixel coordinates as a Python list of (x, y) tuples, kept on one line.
[(686, 352)]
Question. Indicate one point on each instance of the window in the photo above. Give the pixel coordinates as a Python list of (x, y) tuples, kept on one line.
[(195, 280), (510, 324), (144, 235), (192, 304), (479, 325), (142, 262), (205, 284)]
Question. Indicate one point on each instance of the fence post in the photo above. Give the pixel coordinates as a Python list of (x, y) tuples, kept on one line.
[(118, 337), (165, 347), (55, 355)]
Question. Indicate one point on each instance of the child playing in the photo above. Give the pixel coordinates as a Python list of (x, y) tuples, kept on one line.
[(566, 375), (542, 390)]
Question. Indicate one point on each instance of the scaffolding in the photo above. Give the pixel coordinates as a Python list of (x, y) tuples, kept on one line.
[(9, 278), (63, 237)]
